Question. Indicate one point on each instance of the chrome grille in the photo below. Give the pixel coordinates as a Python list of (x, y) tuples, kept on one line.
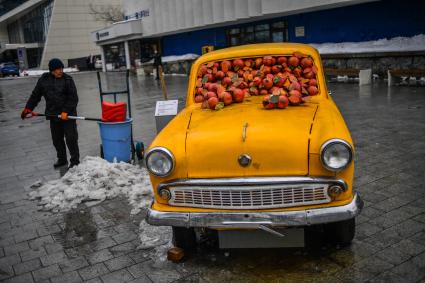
[(249, 197)]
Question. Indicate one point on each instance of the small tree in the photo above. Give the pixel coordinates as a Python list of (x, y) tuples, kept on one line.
[(107, 13)]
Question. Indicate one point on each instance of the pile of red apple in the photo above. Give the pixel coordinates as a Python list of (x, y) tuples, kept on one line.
[(283, 80)]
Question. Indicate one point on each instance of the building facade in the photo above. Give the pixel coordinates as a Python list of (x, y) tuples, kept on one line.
[(177, 27), (35, 31)]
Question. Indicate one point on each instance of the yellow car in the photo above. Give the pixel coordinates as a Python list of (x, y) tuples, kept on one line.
[(246, 168)]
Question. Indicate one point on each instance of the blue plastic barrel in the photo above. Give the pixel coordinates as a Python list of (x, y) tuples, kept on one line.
[(116, 140)]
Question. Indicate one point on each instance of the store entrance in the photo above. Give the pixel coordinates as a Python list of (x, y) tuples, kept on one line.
[(142, 50)]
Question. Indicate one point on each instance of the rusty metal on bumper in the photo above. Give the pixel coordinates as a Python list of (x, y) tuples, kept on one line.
[(255, 220)]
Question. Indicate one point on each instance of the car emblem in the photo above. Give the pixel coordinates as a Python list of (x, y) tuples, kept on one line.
[(244, 160)]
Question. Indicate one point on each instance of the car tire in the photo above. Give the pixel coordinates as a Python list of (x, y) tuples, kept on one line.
[(342, 232), (184, 238)]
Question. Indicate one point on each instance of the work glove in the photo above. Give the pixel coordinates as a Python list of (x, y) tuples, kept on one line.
[(64, 116), (25, 112)]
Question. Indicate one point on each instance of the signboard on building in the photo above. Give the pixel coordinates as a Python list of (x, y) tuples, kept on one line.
[(299, 31), (22, 58)]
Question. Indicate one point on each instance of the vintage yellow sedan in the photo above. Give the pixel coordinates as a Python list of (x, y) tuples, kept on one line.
[(244, 169)]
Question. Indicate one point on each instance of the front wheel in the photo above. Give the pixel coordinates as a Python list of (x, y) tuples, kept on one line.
[(184, 238), (341, 232)]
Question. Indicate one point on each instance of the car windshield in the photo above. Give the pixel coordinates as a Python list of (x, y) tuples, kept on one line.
[(281, 80)]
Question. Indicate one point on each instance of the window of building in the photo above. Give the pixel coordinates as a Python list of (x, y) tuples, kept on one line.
[(35, 24), (13, 32), (114, 56), (265, 32)]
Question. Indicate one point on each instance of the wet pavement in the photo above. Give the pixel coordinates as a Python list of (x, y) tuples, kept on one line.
[(99, 243)]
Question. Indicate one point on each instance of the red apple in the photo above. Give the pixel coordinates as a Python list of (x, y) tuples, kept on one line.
[(283, 102), (212, 102)]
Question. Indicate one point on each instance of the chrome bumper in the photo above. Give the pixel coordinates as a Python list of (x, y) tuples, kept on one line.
[(256, 219)]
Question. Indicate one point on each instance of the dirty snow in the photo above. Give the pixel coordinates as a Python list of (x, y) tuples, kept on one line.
[(25, 73), (396, 44), (172, 58), (95, 179)]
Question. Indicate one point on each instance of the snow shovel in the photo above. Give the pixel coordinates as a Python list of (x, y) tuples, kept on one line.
[(69, 117)]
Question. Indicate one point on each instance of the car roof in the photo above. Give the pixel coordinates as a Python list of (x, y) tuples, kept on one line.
[(259, 48)]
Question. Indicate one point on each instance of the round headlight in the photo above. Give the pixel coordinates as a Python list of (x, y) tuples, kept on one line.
[(160, 161), (336, 155)]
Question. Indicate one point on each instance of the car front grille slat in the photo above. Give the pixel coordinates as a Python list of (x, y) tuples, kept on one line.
[(249, 197)]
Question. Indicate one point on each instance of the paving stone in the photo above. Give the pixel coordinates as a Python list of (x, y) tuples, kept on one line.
[(26, 235), (7, 241), (123, 249), (366, 229), (93, 271), (420, 218), (125, 237), (46, 272), (393, 255), (139, 256), (119, 263), (390, 218), (407, 228), (53, 258), (384, 238), (27, 266), (193, 278), (47, 230), (103, 243), (71, 277), (117, 276), (23, 278), (41, 241), (99, 256), (418, 238), (392, 203), (16, 248), (73, 264), (410, 247), (53, 248), (94, 280), (31, 254), (78, 251), (142, 279), (387, 277), (409, 271), (419, 260), (137, 270), (10, 260)]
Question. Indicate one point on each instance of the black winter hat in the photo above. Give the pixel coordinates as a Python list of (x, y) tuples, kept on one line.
[(54, 64)]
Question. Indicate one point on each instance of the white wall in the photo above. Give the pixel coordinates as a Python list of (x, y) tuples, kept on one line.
[(178, 15), (70, 30)]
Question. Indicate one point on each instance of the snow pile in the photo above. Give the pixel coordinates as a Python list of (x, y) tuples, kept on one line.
[(173, 58), (40, 72), (415, 43), (95, 179)]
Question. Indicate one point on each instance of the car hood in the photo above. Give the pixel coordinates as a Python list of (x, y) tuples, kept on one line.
[(276, 140)]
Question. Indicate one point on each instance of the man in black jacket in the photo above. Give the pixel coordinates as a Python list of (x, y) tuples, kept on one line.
[(61, 97)]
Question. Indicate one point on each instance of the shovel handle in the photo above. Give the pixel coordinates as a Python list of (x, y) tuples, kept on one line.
[(69, 117)]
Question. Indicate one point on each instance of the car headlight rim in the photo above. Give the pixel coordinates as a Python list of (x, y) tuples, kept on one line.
[(327, 145), (168, 155)]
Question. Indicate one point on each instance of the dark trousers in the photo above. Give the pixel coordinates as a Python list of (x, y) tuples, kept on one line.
[(68, 130), (157, 72)]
